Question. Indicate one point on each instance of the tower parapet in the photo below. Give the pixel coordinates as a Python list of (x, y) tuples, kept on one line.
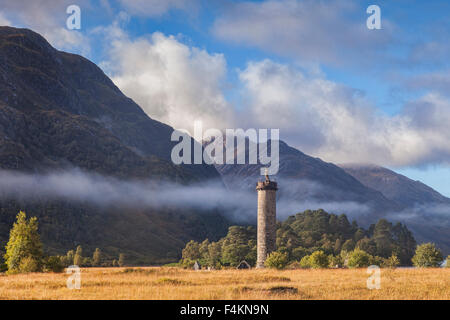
[(266, 185), (266, 234)]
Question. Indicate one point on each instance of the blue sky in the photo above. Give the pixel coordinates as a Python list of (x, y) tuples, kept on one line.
[(311, 68)]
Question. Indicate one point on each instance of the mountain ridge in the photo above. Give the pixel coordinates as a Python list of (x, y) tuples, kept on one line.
[(60, 111), (393, 185)]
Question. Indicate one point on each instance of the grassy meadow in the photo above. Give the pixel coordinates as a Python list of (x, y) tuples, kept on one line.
[(176, 283)]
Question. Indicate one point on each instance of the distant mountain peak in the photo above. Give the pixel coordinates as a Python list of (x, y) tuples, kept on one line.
[(394, 186)]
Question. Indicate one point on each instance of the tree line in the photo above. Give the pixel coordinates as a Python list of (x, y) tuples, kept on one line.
[(24, 252), (317, 239)]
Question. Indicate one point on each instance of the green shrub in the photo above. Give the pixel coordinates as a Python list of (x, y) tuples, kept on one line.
[(335, 261), (427, 255), (54, 264), (378, 261), (392, 262), (299, 252), (359, 259), (318, 260), (187, 263), (276, 260), (304, 263)]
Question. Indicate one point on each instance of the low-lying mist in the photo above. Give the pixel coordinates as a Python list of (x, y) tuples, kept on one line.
[(79, 186), (428, 213)]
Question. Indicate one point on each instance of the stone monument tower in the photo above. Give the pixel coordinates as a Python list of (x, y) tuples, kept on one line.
[(266, 219)]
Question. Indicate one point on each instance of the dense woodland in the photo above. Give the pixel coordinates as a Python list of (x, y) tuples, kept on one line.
[(312, 239), (304, 234)]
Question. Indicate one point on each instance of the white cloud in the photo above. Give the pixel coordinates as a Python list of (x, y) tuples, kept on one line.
[(178, 84), (311, 30), (338, 124), (3, 20), (155, 8), (48, 18), (172, 82)]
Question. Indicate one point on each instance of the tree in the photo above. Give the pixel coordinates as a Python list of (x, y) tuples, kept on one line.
[(97, 257), (392, 262), (191, 251), (383, 238), (327, 245), (427, 255), (3, 266), (447, 263), (276, 260), (239, 244), (359, 234), (359, 259), (348, 245), (78, 258), (344, 226), (234, 254), (318, 259), (298, 253), (69, 257), (203, 250), (367, 245), (24, 248), (316, 230), (121, 261), (54, 264), (87, 262), (405, 243), (337, 245), (214, 254)]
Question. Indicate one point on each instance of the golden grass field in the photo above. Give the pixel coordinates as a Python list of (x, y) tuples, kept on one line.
[(175, 283)]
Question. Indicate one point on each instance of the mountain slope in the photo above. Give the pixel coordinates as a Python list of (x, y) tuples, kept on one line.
[(310, 183), (47, 94), (59, 110), (394, 186), (305, 179), (426, 211)]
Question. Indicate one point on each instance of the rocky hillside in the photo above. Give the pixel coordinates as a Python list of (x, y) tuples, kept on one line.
[(59, 110)]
